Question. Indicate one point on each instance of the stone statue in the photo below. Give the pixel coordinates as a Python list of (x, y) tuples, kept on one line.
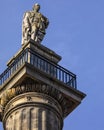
[(34, 25)]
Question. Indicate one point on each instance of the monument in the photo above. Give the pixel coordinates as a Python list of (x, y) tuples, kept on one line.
[(36, 93)]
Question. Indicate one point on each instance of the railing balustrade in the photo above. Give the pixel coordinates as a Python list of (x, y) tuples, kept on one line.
[(41, 63)]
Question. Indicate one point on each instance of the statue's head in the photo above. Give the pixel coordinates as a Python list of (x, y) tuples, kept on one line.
[(36, 7)]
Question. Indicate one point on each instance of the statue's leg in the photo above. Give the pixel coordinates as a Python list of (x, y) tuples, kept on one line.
[(34, 33)]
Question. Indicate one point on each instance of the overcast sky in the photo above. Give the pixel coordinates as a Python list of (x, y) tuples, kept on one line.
[(76, 32)]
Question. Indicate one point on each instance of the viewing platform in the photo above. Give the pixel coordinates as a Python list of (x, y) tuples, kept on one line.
[(45, 64)]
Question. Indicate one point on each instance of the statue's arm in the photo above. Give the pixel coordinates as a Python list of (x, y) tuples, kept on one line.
[(26, 22), (45, 20), (25, 27)]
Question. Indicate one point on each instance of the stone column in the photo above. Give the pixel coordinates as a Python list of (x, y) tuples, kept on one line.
[(31, 107), (36, 93)]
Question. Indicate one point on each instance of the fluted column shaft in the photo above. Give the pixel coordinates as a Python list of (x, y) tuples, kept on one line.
[(32, 111)]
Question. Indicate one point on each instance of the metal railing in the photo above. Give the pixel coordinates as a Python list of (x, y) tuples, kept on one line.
[(22, 58), (41, 63)]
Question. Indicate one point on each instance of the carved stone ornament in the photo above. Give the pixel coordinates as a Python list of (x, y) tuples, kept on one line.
[(35, 87), (34, 25)]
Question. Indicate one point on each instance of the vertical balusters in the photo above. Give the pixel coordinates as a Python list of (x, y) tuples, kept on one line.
[(42, 64)]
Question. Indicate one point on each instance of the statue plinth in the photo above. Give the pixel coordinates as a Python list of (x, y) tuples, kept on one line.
[(39, 49)]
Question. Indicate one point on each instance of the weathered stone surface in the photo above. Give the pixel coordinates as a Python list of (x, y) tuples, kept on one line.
[(33, 111), (34, 25), (34, 105), (39, 49)]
